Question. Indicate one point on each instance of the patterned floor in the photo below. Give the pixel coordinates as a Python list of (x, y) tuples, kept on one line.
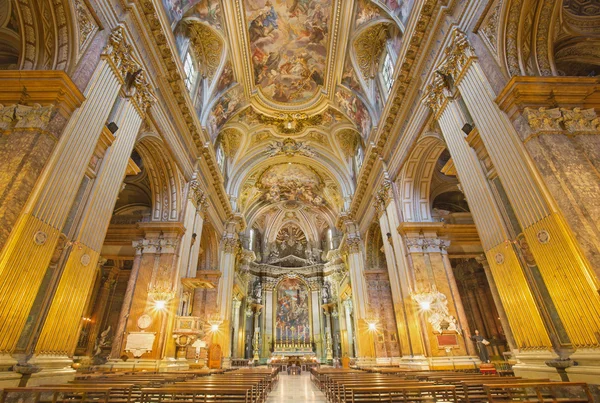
[(295, 388)]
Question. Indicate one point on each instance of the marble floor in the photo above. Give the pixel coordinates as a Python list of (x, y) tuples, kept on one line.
[(295, 388)]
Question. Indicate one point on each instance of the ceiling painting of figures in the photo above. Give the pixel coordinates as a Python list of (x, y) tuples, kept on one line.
[(207, 11), (292, 182), (355, 109), (288, 44)]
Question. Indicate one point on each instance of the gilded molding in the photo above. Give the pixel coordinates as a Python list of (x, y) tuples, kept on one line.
[(175, 80), (208, 48), (197, 195), (86, 24), (457, 56), (557, 120), (404, 77), (22, 116), (230, 245), (353, 244), (119, 54), (368, 47), (289, 147)]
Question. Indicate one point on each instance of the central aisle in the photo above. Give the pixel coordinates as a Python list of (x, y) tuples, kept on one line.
[(295, 388)]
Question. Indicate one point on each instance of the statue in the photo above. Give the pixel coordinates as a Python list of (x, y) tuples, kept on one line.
[(257, 293), (481, 343), (273, 255), (102, 341), (325, 293)]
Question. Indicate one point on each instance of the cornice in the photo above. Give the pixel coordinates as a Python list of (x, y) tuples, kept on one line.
[(150, 14), (405, 74)]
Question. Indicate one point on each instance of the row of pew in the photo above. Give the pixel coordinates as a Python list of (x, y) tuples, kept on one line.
[(248, 385), (396, 385)]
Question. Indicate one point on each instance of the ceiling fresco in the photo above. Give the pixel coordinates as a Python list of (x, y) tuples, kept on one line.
[(293, 182), (288, 43), (288, 93)]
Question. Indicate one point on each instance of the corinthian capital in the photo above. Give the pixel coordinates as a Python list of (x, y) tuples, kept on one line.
[(458, 53)]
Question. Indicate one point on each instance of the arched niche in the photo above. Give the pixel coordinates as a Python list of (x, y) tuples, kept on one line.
[(375, 254), (209, 248)]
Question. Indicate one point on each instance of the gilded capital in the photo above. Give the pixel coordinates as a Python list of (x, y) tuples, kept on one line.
[(458, 53)]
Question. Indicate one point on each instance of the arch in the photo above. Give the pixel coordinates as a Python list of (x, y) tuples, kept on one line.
[(374, 249), (207, 45), (165, 182), (49, 34), (416, 176), (536, 36), (209, 248)]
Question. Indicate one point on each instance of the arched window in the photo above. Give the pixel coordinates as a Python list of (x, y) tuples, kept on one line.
[(387, 72), (190, 71), (251, 240), (359, 157), (221, 158)]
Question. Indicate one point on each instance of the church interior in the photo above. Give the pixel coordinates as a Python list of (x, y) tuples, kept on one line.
[(229, 199)]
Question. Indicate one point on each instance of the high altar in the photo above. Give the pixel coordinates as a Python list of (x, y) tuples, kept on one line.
[(292, 293)]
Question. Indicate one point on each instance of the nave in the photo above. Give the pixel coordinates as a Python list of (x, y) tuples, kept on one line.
[(326, 384), (406, 187)]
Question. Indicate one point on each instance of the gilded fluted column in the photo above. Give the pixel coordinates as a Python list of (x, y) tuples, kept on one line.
[(550, 240), (60, 331), (517, 298), (32, 242)]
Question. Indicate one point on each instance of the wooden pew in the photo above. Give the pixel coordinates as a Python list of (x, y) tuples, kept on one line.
[(539, 392), (55, 394), (403, 394), (199, 394), (473, 391)]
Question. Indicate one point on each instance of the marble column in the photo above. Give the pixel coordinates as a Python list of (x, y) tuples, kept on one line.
[(29, 132), (235, 318), (349, 326), (550, 240), (120, 333), (317, 333), (36, 234), (153, 306), (102, 302), (498, 303)]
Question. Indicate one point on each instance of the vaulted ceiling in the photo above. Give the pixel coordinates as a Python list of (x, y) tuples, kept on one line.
[(289, 94)]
